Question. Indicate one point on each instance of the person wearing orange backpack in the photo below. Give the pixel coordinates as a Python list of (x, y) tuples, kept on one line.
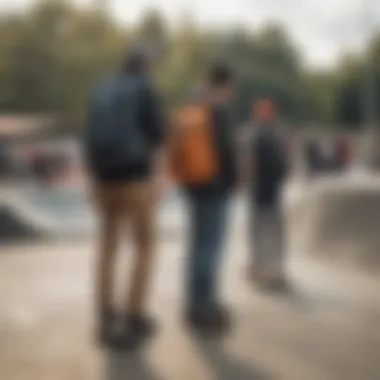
[(203, 163)]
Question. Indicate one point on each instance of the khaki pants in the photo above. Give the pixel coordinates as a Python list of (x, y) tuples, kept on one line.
[(117, 206)]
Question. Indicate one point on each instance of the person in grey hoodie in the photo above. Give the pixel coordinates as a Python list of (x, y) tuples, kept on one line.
[(269, 163)]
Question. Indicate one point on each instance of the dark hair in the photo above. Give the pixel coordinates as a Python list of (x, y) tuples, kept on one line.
[(135, 64), (138, 59), (220, 75)]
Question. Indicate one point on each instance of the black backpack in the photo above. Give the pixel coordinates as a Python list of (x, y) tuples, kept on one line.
[(113, 134)]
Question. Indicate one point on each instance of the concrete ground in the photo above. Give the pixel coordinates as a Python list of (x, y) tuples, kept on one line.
[(326, 328)]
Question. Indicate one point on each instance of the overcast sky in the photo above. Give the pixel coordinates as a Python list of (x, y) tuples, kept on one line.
[(322, 28)]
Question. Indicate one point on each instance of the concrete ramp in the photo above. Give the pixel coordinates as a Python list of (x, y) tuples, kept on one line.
[(31, 212), (338, 219), (34, 212), (13, 229)]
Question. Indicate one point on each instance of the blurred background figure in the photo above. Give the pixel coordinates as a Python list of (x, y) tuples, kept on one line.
[(312, 155), (5, 160), (343, 153), (326, 153), (269, 165)]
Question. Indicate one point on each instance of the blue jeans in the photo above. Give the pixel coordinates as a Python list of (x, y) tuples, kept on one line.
[(208, 221)]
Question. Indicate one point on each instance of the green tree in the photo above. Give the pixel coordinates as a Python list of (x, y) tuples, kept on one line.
[(54, 55)]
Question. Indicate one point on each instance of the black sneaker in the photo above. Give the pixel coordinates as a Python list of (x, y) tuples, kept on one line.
[(106, 328), (211, 321), (136, 331), (279, 284), (222, 318), (143, 326)]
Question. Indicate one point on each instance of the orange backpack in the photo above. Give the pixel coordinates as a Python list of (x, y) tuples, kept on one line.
[(192, 152)]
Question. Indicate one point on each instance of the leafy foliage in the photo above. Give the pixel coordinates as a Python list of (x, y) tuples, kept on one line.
[(53, 56)]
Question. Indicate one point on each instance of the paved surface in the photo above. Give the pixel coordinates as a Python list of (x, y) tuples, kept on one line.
[(327, 328)]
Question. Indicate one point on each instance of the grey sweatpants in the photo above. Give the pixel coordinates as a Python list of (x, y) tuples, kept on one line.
[(268, 239)]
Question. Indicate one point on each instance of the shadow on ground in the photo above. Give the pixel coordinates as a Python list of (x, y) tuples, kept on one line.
[(129, 366), (224, 365)]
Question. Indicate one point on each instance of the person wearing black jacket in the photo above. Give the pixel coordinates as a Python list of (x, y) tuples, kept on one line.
[(125, 192), (209, 214)]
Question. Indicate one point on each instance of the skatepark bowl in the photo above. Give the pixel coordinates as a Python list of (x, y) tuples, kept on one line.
[(325, 327)]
